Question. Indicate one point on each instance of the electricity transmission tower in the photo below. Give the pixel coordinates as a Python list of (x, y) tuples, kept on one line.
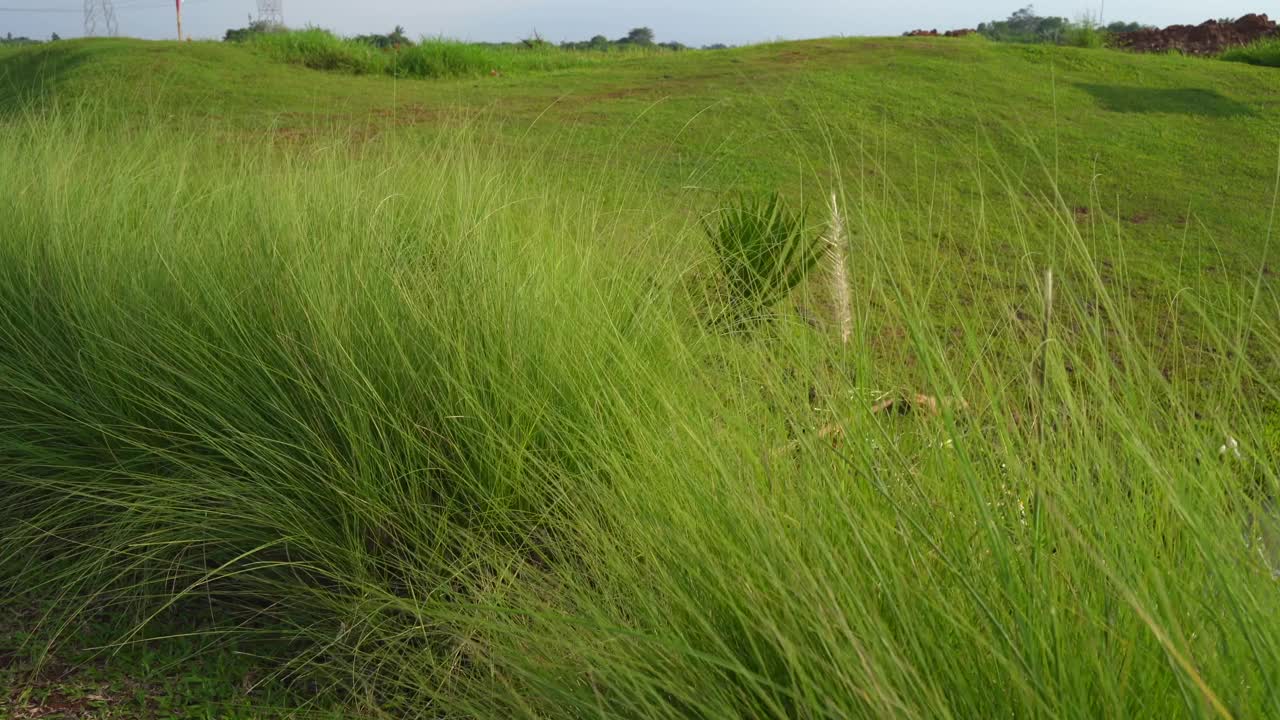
[(271, 12), (100, 15)]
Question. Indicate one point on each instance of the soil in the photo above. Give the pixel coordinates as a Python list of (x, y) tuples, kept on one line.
[(1211, 37), (1208, 38)]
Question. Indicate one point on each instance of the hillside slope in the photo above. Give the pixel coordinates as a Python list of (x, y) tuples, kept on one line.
[(1166, 145)]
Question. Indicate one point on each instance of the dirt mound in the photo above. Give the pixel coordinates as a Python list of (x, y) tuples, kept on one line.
[(1207, 38), (935, 33)]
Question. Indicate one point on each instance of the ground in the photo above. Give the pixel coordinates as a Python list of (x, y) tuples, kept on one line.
[(175, 672)]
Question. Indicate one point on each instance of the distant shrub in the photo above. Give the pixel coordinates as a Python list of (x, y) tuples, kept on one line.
[(638, 36), (1263, 52), (1026, 26), (395, 55), (9, 39), (394, 39), (321, 50), (256, 27), (638, 39), (1124, 27), (1085, 33), (764, 251)]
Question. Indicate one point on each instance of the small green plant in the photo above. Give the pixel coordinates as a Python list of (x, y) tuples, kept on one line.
[(764, 250)]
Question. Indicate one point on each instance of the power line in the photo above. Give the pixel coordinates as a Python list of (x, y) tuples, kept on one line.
[(38, 10), (135, 5), (100, 11), (271, 12)]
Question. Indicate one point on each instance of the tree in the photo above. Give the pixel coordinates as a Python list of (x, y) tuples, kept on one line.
[(638, 36), (1025, 26), (1024, 19), (9, 39), (392, 40), (256, 27), (54, 38), (1120, 26)]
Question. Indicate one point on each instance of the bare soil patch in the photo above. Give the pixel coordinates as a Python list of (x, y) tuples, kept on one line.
[(1208, 38)]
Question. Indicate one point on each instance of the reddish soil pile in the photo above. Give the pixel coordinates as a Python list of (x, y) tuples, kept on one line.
[(1207, 38), (935, 33)]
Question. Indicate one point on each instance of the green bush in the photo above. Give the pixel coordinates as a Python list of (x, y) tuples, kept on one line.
[(1086, 34), (256, 27), (443, 58), (764, 251), (321, 50)]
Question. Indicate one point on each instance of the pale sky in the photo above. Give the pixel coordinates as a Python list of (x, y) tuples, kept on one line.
[(694, 22)]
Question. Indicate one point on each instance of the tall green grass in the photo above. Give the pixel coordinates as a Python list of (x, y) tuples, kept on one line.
[(430, 58), (450, 429), (1263, 52), (1085, 32)]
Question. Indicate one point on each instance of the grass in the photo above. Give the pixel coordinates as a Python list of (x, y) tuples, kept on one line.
[(1086, 34), (421, 408), (1263, 52), (430, 58), (170, 670)]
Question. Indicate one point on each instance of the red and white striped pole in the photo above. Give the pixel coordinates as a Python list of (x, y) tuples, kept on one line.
[(178, 5)]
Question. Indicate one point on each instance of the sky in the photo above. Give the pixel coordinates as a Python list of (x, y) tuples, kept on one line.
[(693, 22)]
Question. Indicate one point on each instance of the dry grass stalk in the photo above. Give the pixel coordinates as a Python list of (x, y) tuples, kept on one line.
[(839, 243)]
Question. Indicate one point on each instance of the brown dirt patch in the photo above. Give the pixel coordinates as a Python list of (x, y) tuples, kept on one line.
[(1208, 38)]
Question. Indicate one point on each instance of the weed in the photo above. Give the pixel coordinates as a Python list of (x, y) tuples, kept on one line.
[(765, 250)]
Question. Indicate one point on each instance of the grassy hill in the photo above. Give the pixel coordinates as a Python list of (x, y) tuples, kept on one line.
[(436, 397), (1137, 141)]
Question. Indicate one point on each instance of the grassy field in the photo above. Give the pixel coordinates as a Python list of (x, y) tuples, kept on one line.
[(370, 397)]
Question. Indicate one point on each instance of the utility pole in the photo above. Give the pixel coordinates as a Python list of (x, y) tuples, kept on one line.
[(100, 14), (178, 7), (271, 12)]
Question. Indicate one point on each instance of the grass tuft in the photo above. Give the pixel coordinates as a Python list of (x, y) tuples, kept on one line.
[(1263, 52), (765, 250)]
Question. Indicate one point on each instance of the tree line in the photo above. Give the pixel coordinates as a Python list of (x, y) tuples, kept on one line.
[(9, 39), (640, 37), (1025, 26)]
